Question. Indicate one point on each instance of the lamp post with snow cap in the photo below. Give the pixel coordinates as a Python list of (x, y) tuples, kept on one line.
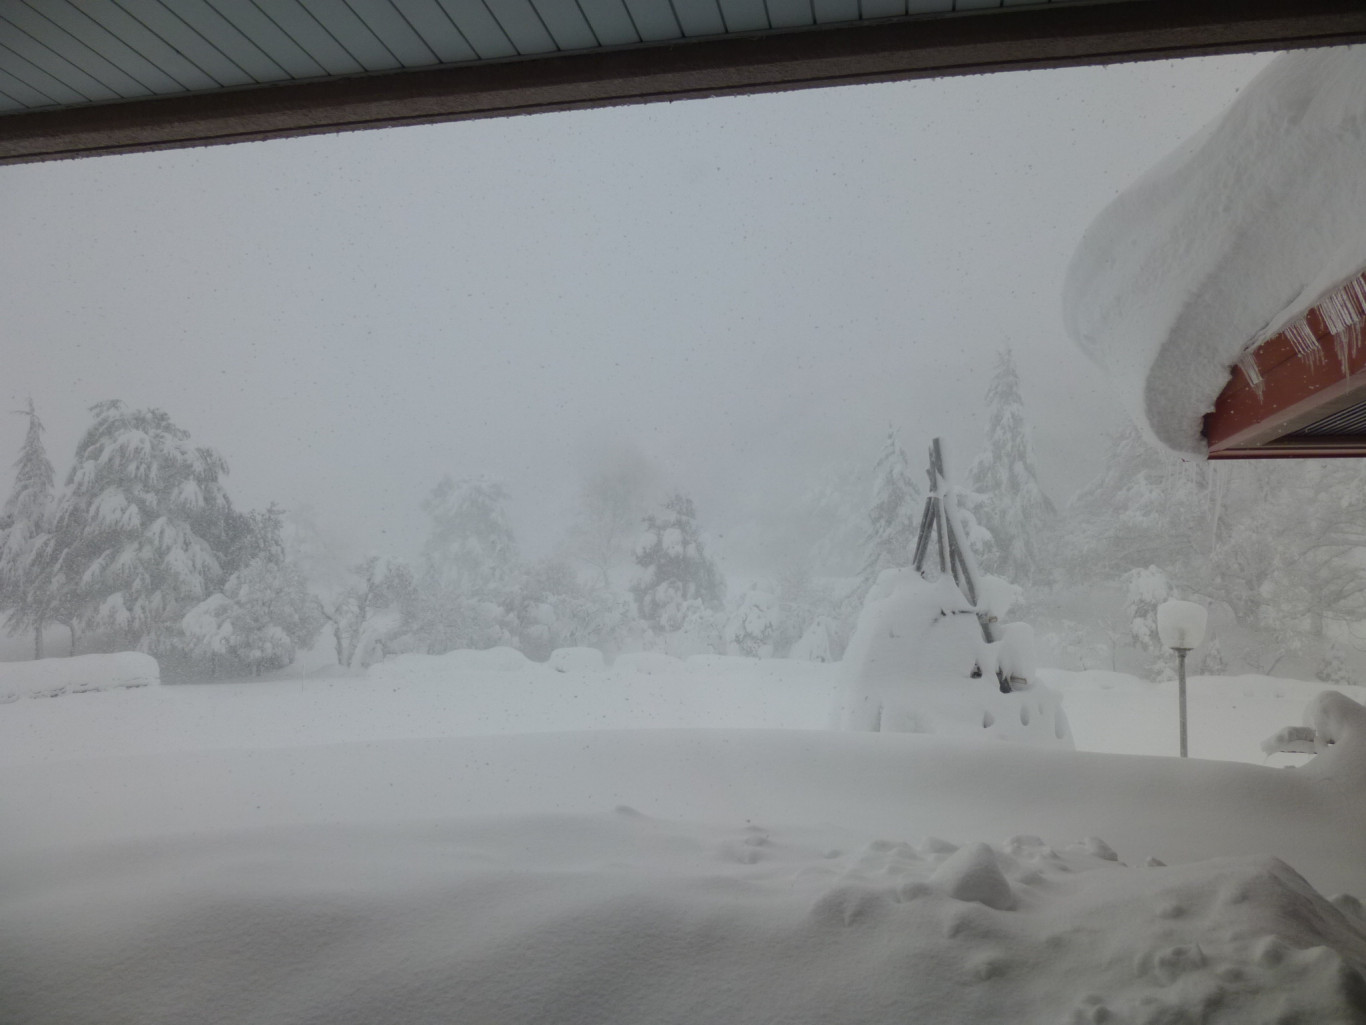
[(1181, 626)]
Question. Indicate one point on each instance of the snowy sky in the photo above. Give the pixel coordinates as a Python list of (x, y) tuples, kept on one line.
[(747, 289)]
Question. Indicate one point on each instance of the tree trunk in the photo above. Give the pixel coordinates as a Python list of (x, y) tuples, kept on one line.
[(38, 641)]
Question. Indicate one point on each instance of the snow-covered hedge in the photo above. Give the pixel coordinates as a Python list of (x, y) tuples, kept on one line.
[(909, 669), (51, 677)]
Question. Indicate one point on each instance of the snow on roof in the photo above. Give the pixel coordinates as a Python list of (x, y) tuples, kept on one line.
[(1225, 240)]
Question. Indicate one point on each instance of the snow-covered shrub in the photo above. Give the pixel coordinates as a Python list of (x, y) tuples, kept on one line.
[(752, 627), (1333, 667), (1146, 590), (258, 622), (917, 663), (1212, 661)]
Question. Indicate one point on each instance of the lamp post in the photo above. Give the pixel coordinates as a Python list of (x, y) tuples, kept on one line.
[(1181, 626)]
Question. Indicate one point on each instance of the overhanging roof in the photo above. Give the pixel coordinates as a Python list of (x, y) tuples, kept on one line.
[(1301, 392), (86, 77)]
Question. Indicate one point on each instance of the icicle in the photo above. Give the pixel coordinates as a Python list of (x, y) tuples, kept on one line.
[(1355, 292), (1304, 341), (1247, 362)]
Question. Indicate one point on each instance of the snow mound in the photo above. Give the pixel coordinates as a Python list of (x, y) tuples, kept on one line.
[(454, 663), (81, 674), (619, 918), (910, 667), (576, 660), (1339, 726), (1225, 240)]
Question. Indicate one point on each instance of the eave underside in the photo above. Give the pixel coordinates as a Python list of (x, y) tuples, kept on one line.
[(1057, 35)]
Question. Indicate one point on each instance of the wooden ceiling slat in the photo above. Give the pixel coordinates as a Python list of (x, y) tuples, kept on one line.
[(566, 24), (744, 15), (437, 30), (611, 21), (71, 49), (883, 8), (167, 41), (655, 20), (791, 13), (79, 25), (522, 25), (699, 18), (20, 68), (233, 26), (308, 34), (61, 69), (830, 12), (353, 34), (22, 93), (478, 25), (397, 35)]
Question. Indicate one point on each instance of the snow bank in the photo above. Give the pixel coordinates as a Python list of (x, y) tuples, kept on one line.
[(909, 669), (81, 674), (1339, 725), (622, 919), (1223, 241)]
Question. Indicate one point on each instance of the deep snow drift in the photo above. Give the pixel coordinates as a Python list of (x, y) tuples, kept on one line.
[(171, 854), (1219, 244)]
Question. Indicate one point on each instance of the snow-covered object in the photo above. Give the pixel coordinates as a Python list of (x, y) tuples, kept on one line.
[(81, 674), (1225, 240), (1181, 624), (1339, 725), (576, 660), (910, 667)]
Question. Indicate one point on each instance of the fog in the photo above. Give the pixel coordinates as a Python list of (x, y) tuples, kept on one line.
[(748, 291)]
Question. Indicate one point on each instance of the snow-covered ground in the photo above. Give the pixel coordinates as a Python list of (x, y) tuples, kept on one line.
[(477, 838)]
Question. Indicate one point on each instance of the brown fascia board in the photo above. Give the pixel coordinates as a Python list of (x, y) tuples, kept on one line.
[(1251, 417), (1057, 35)]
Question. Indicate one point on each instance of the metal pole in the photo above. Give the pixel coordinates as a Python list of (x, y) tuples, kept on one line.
[(1181, 690)]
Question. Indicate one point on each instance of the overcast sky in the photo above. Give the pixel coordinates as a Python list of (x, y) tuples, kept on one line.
[(745, 288)]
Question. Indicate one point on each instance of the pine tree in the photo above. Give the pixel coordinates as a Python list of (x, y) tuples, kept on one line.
[(1013, 508), (144, 528), (676, 575), (25, 524), (894, 519), (472, 547)]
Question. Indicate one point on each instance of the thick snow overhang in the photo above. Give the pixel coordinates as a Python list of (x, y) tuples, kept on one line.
[(1223, 292), (87, 77)]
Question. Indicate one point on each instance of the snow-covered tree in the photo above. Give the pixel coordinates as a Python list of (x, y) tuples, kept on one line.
[(894, 519), (25, 525), (471, 547), (143, 530), (612, 500), (1013, 508), (676, 575), (1147, 507), (379, 605), (551, 607)]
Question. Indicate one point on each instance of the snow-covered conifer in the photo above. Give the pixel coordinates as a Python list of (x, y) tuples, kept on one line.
[(675, 574), (1013, 509), (894, 519), (143, 529), (471, 547), (25, 522)]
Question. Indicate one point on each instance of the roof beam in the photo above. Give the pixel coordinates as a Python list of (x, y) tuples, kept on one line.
[(1056, 35)]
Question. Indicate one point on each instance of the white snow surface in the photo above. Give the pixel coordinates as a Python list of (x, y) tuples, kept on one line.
[(1225, 240), (80, 674), (349, 849)]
